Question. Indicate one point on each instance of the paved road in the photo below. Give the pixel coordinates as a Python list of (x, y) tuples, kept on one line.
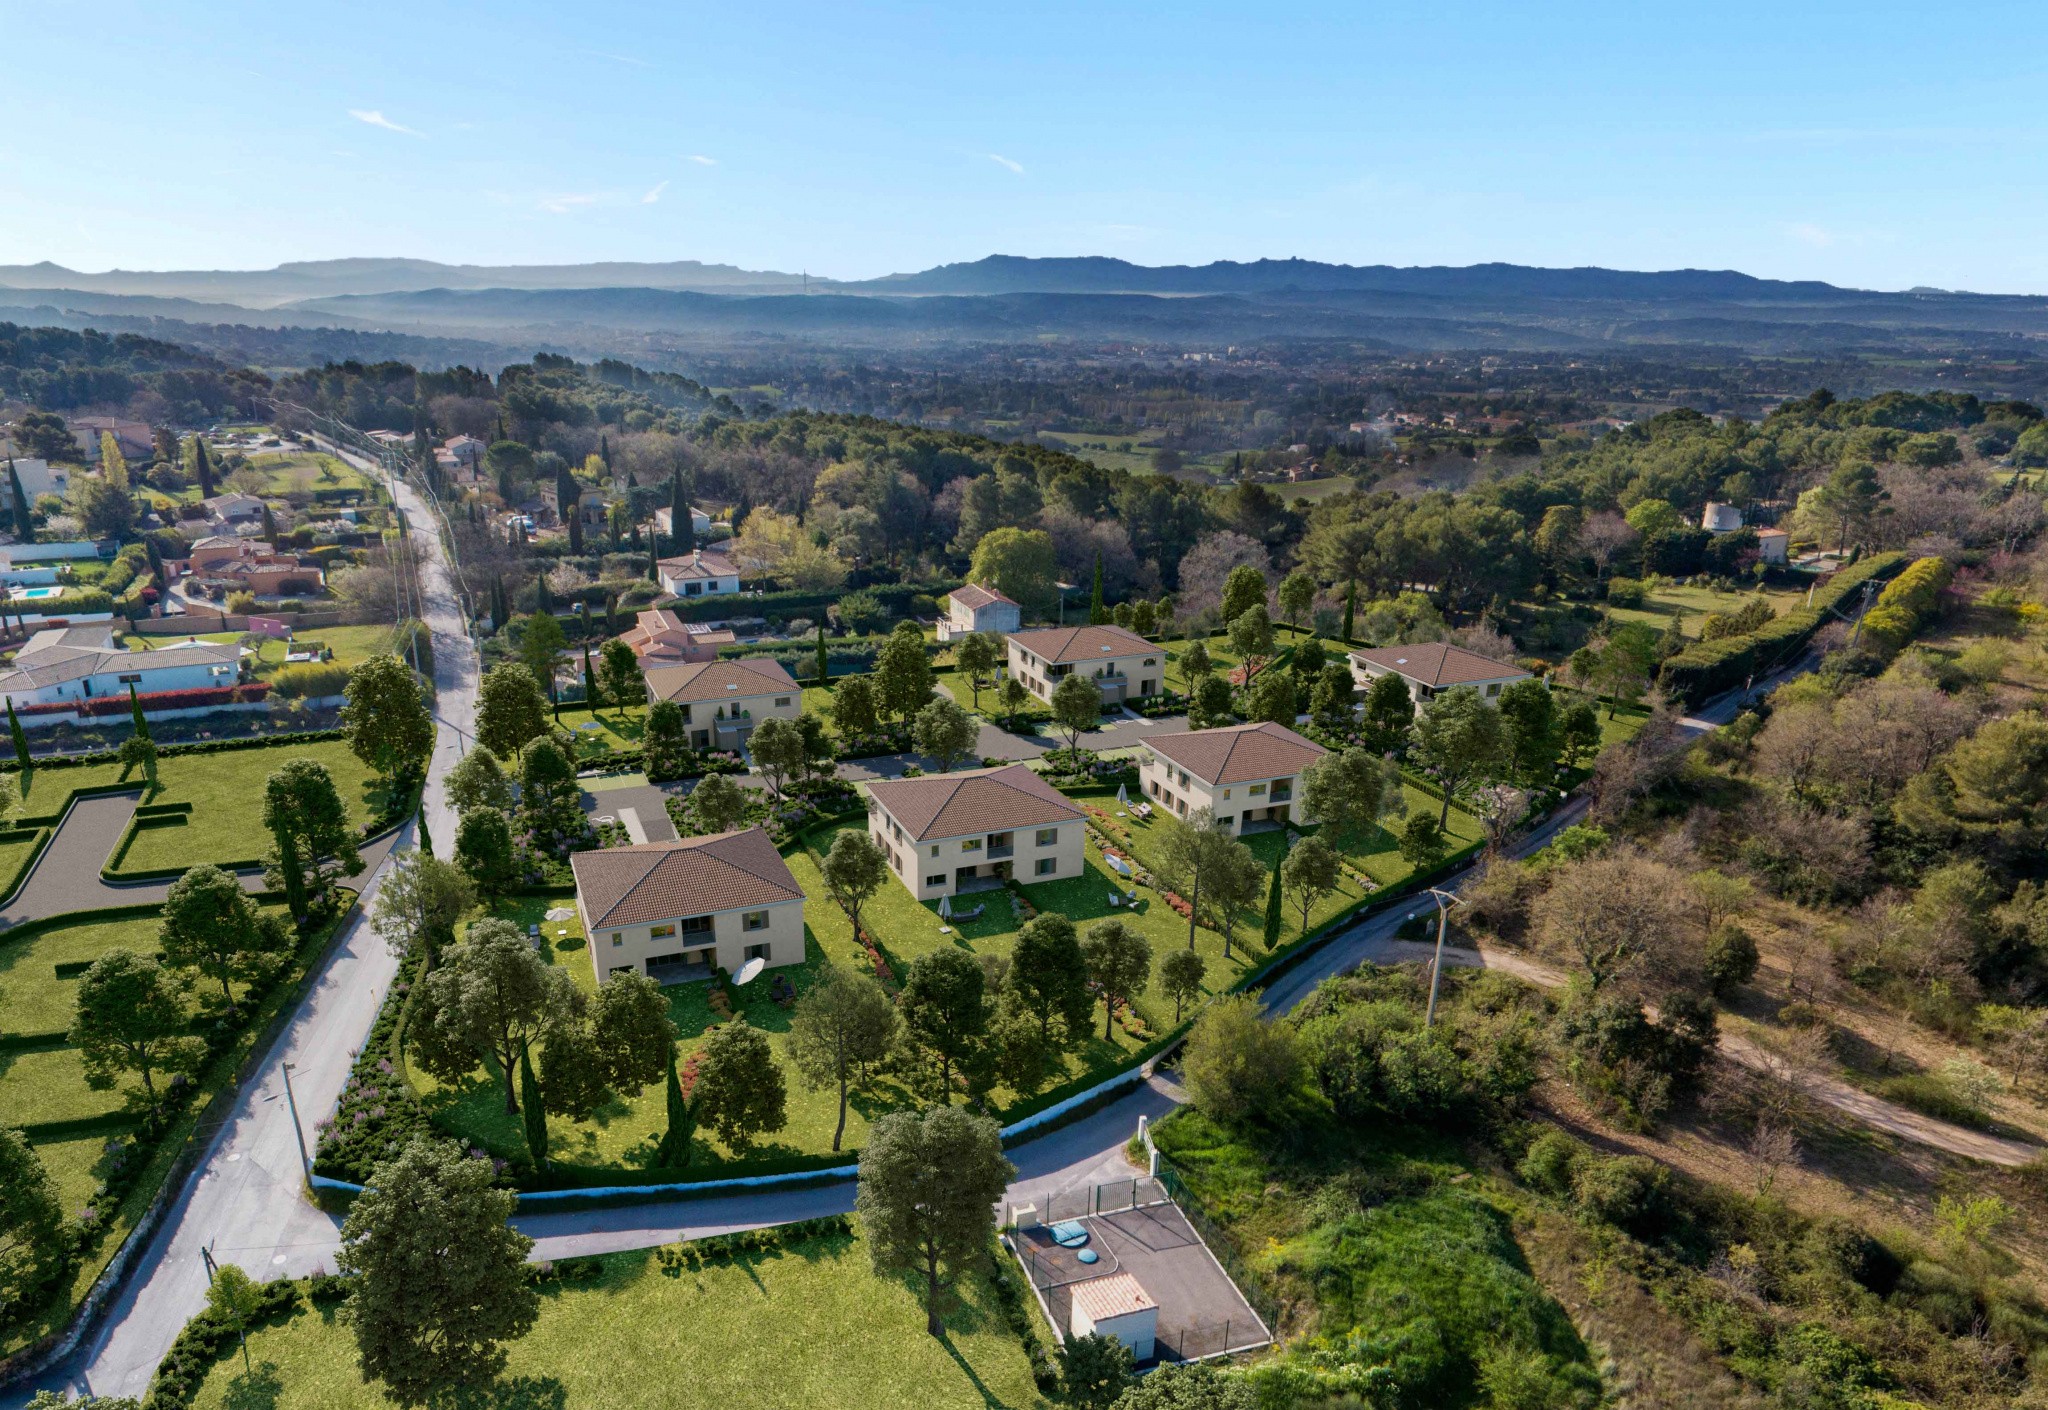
[(246, 1199)]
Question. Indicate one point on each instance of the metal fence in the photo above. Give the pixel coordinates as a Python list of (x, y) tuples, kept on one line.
[(1111, 1198)]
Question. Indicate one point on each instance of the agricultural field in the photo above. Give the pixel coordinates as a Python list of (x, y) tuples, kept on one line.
[(809, 1324)]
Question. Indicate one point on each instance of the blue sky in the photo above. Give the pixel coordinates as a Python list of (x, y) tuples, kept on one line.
[(1881, 145)]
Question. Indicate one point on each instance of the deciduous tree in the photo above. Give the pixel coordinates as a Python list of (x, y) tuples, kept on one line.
[(211, 926), (477, 781), (1076, 706), (619, 675), (740, 1091), (1238, 1066), (1180, 978), (1310, 872), (844, 1026), (1048, 978), (438, 1277), (1349, 791), (1389, 714), (854, 870), (929, 1182), (32, 1238), (491, 999), (1119, 963), (903, 672), (718, 804), (388, 724), (978, 654), (1460, 741), (945, 733), (313, 841), (483, 850), (131, 1018), (945, 1010), (511, 709)]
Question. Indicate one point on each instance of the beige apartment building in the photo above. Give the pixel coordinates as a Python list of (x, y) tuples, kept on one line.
[(1244, 774), (1123, 664), (722, 701), (675, 910), (948, 833), (1431, 667)]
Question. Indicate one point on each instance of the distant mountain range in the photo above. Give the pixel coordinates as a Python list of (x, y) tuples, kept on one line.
[(1006, 298)]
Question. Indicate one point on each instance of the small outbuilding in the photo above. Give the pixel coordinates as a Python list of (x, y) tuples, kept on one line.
[(1116, 1306)]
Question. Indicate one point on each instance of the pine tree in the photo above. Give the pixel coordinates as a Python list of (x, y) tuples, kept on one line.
[(24, 527), (19, 736), (1097, 614)]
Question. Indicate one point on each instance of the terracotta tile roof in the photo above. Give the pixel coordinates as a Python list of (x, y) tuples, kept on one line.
[(975, 596), (980, 800), (1773, 534), (1061, 645), (1437, 663), (699, 565), (654, 881), (719, 680), (1117, 1295), (1239, 753)]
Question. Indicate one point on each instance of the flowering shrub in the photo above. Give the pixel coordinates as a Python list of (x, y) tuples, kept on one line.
[(156, 700), (1179, 904)]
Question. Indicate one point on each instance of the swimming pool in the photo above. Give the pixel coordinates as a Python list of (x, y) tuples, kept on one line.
[(33, 594)]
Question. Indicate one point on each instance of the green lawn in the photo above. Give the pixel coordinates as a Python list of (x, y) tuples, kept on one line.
[(1695, 601), (15, 850), (77, 1166), (49, 1085), (617, 730), (32, 998), (226, 791), (807, 1326)]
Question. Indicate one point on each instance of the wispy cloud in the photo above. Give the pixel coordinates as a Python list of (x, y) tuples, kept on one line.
[(377, 119), (1807, 233), (1000, 160), (619, 58), (703, 160), (652, 196), (562, 205)]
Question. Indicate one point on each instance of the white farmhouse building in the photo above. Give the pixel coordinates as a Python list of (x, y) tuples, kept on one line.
[(82, 663)]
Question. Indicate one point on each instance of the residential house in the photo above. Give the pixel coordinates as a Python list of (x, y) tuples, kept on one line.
[(82, 663), (465, 450), (722, 701), (665, 521), (1434, 666), (240, 565), (698, 574), (590, 505), (975, 608), (136, 440), (232, 513), (39, 478), (1122, 663), (1773, 545), (1243, 774), (945, 832), (674, 911), (659, 638)]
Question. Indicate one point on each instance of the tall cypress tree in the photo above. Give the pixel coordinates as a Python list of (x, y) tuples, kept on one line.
[(543, 600), (202, 466), (135, 710), (24, 527), (19, 736), (269, 525), (1350, 608), (653, 567), (590, 693), (576, 534), (604, 452), (824, 662), (674, 1151), (1273, 911), (1097, 613), (530, 1109)]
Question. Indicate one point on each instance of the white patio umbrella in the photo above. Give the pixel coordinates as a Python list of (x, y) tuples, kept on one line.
[(1123, 799), (946, 907)]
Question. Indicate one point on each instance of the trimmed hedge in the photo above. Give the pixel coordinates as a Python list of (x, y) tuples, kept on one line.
[(896, 598), (168, 751), (1705, 669), (208, 1339)]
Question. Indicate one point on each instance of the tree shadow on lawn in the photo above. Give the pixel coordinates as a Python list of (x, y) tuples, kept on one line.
[(257, 1389), (518, 1393)]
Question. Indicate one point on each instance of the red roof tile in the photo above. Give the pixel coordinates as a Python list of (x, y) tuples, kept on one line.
[(1239, 753), (980, 800), (653, 881)]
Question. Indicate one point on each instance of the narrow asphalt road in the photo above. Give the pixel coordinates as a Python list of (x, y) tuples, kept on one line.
[(246, 1200)]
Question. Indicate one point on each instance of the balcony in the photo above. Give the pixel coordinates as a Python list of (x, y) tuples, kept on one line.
[(1001, 845)]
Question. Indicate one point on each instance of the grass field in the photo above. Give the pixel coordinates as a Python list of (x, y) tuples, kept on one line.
[(807, 1326), (1695, 601), (49, 1085), (351, 645), (77, 1166), (225, 791), (32, 998)]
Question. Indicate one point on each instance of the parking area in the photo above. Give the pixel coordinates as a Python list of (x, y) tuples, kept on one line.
[(1201, 1311)]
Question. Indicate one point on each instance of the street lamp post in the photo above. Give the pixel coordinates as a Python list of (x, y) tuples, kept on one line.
[(298, 1132), (1444, 901)]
